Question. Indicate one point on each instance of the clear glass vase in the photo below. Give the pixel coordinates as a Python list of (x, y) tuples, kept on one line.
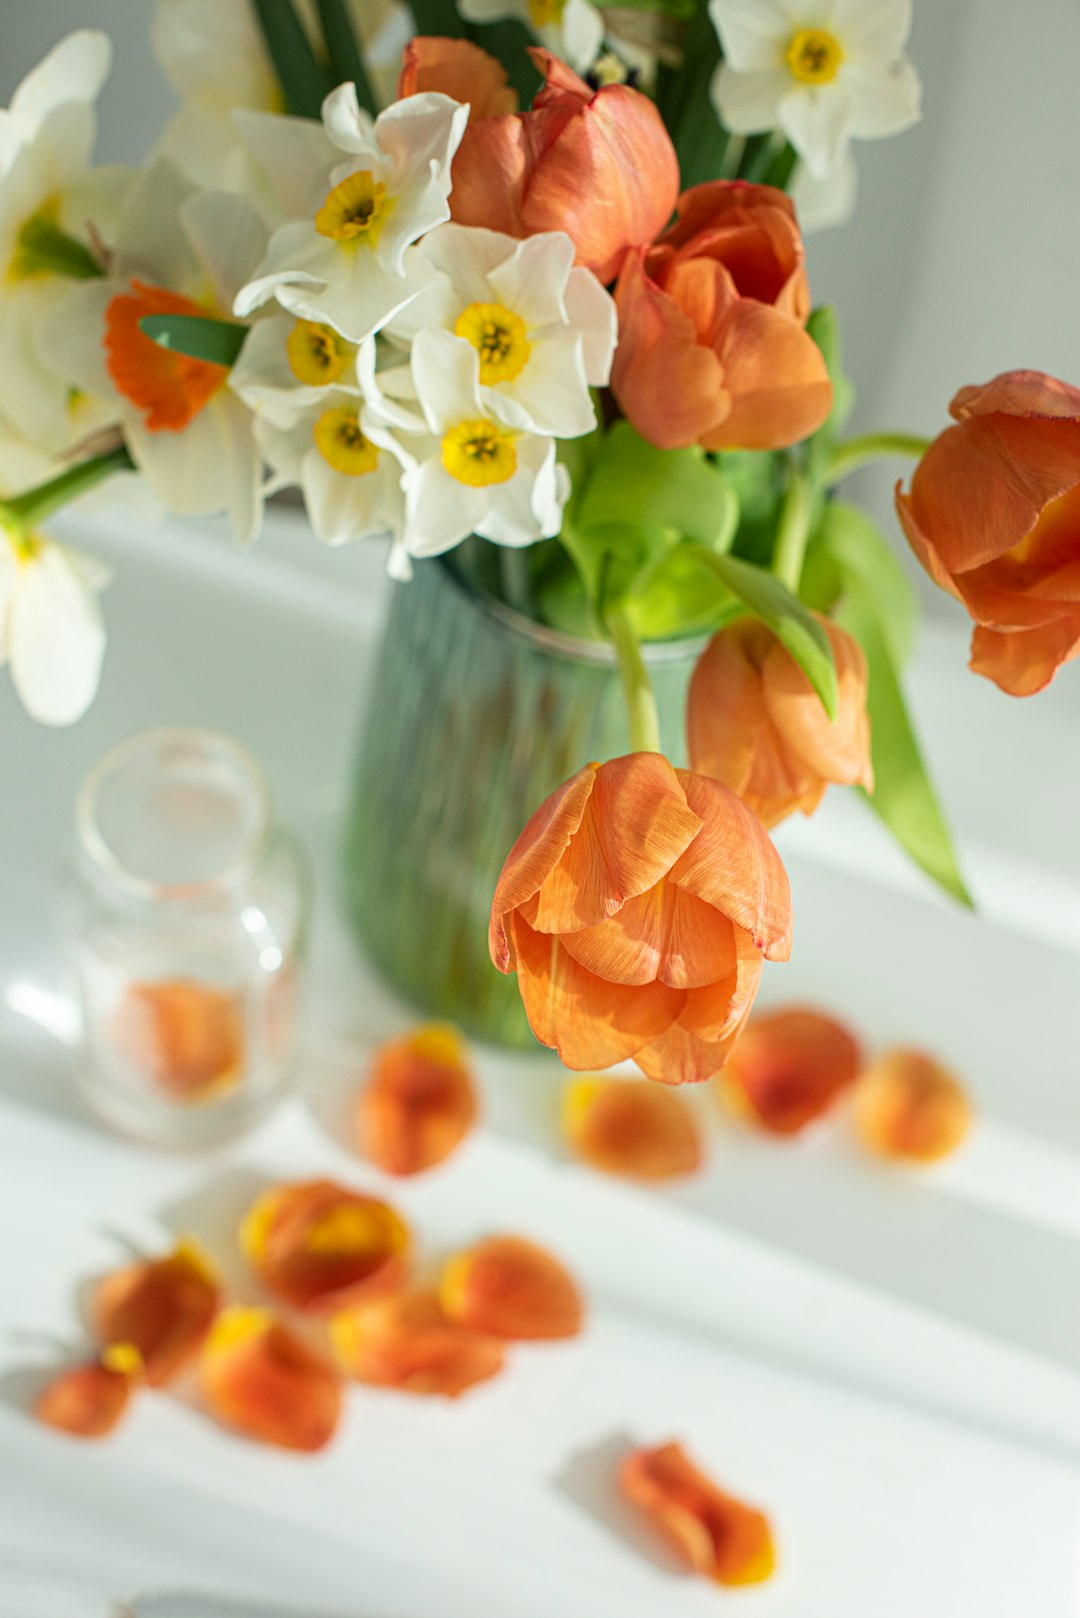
[(476, 713)]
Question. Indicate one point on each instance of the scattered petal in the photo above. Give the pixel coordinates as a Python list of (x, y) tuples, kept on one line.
[(187, 1037), (408, 1342), (714, 1533), (89, 1400), (320, 1246), (264, 1380), (908, 1107), (632, 1128), (511, 1288), (789, 1068), (420, 1101), (163, 1307)]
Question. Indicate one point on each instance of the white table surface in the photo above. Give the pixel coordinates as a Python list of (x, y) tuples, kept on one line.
[(887, 1363)]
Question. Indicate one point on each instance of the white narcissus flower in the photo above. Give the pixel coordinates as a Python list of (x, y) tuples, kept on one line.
[(286, 366), (822, 71), (543, 330), (572, 29), (820, 204), (51, 630), (347, 266)]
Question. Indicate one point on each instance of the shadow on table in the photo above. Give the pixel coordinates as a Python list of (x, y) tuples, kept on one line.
[(190, 1604), (212, 1215), (589, 1480)]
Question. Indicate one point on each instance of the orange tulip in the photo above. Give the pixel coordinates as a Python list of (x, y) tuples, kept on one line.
[(598, 164), (262, 1379), (457, 68), (89, 1400), (788, 1068), (419, 1103), (164, 1307), (908, 1107), (321, 1247), (993, 515), (636, 1129), (711, 1531), (511, 1288), (187, 1037), (754, 721), (712, 347), (636, 908), (408, 1342)]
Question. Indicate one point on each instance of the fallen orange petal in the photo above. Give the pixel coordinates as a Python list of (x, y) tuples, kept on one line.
[(712, 1532), (320, 1246), (788, 1069), (164, 1307), (408, 1342), (89, 1400), (908, 1106), (419, 1103), (187, 1037), (510, 1287), (631, 1127), (264, 1380)]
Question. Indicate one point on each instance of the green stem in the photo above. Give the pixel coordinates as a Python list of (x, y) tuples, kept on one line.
[(643, 719), (25, 511), (515, 579), (42, 248), (793, 531), (344, 53), (857, 452)]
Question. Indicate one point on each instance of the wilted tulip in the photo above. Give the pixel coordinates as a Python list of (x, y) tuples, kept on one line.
[(408, 1342), (89, 1400), (755, 722), (631, 1128), (419, 1103), (457, 68), (907, 1106), (511, 1288), (320, 1246), (788, 1069), (636, 908), (187, 1037), (164, 1307), (993, 515), (711, 1531), (263, 1379)]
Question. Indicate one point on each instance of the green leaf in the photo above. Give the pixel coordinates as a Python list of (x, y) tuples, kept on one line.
[(678, 596), (701, 141), (346, 60), (824, 328), (439, 17), (509, 40), (216, 341), (304, 81), (864, 560), (635, 485), (763, 595)]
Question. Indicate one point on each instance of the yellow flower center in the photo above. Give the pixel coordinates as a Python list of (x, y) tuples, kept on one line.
[(316, 353), (356, 207), (498, 336), (814, 56), (479, 453), (341, 442), (546, 13)]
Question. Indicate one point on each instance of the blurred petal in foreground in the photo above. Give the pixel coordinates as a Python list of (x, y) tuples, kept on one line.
[(321, 1246), (164, 1307), (711, 1531), (907, 1106), (788, 1069), (511, 1288), (631, 1127), (262, 1379), (188, 1038), (89, 1400), (419, 1103), (408, 1342)]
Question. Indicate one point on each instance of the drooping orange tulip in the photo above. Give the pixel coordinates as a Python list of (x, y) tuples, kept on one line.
[(322, 1247), (89, 1400), (408, 1342), (264, 1380), (910, 1108), (711, 1531), (164, 1307), (511, 1288), (712, 346), (187, 1037), (993, 514), (788, 1069), (598, 164), (457, 68), (636, 908), (631, 1128), (419, 1103), (754, 721)]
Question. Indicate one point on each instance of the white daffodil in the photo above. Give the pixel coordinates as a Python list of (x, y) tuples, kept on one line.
[(474, 474), (543, 330), (287, 365), (347, 268), (820, 204), (51, 630), (177, 252), (822, 71), (573, 29)]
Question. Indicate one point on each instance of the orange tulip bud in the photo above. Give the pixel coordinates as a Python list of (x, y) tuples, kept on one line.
[(419, 1103), (711, 1531), (322, 1247), (788, 1068), (993, 515), (907, 1106), (89, 1400), (261, 1378), (756, 723), (712, 346), (636, 908), (408, 1342), (164, 1307), (186, 1037), (457, 68), (598, 165), (635, 1129), (510, 1288)]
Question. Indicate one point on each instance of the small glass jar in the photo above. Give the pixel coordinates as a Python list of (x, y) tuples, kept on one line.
[(184, 912)]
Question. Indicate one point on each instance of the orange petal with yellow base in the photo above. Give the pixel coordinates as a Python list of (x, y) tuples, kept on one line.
[(711, 1531), (88, 1401), (419, 1103), (187, 1037), (164, 1307), (166, 387), (262, 1379), (789, 1068), (322, 1247), (630, 1128), (511, 1288), (407, 1342), (909, 1108)]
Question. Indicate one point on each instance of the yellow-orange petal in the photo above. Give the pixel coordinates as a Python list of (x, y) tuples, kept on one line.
[(166, 387), (88, 1401), (420, 1101), (789, 1068), (320, 1246), (631, 1128), (164, 1307), (264, 1380), (511, 1288), (713, 1532), (408, 1342), (910, 1108), (535, 854), (186, 1037)]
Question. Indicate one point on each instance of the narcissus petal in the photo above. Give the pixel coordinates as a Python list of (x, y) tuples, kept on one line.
[(187, 1037), (264, 1380), (164, 1307), (511, 1288), (714, 1533), (408, 1342), (788, 1068), (320, 1246), (419, 1103), (89, 1400), (910, 1108), (631, 1128)]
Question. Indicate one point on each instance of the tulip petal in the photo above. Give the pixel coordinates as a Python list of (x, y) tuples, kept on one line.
[(534, 856), (714, 1533), (789, 1068), (511, 1288), (419, 1103), (491, 170), (408, 1342), (88, 1401), (187, 1037), (665, 933), (1025, 661), (1018, 393), (163, 1307), (909, 1108), (262, 1379), (733, 866), (459, 69), (776, 377), (630, 1128), (321, 1247), (836, 751), (668, 385)]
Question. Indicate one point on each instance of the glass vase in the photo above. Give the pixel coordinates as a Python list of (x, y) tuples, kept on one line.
[(475, 714)]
